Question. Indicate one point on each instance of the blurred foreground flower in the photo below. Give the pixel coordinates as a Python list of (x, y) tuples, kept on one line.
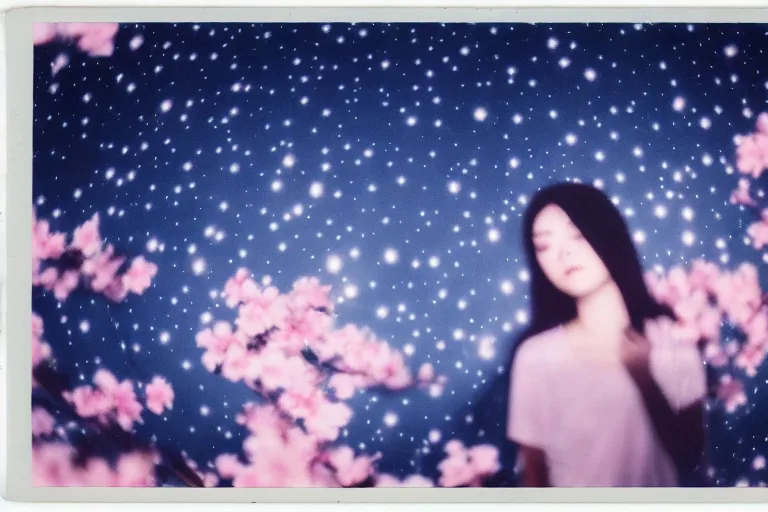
[(704, 298)]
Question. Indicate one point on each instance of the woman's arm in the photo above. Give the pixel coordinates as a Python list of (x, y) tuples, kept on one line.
[(535, 472), (681, 432)]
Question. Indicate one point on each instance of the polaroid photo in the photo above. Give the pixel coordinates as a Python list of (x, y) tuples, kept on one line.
[(385, 255)]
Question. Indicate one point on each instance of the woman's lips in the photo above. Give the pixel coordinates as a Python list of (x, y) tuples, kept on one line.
[(570, 271)]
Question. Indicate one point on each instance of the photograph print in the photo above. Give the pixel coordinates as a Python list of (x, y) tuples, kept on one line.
[(334, 255)]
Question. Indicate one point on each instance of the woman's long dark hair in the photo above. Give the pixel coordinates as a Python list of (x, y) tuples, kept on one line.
[(604, 228)]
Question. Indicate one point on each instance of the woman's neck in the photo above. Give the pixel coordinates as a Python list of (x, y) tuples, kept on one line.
[(603, 311)]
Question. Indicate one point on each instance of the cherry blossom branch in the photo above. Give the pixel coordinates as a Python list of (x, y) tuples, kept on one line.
[(85, 261), (752, 160), (285, 348), (60, 267), (107, 412), (95, 39), (703, 298)]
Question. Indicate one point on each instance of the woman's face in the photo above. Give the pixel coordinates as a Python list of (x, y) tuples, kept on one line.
[(567, 259)]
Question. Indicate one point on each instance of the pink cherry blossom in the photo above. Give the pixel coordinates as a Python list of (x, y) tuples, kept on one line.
[(40, 350), (715, 355), (87, 238), (750, 359), (240, 288), (454, 447), (302, 402), (276, 461), (159, 395), (426, 372), (328, 419), (106, 381), (135, 470), (306, 330), (752, 154), (679, 285), (264, 419), (102, 268), (274, 470), (47, 245), (89, 402), (301, 444), (127, 407), (703, 274), (52, 466), (210, 480), (266, 353), (739, 293), (228, 466), (277, 370), (263, 312), (455, 471), (761, 125), (111, 400), (48, 278), (465, 467), (42, 422), (116, 291), (308, 293), (96, 39), (43, 33), (65, 285), (97, 473), (38, 328), (217, 342), (355, 348), (238, 364), (139, 275), (484, 459), (378, 361), (323, 476), (351, 470), (345, 385), (99, 41), (395, 372), (385, 480), (756, 327), (731, 392), (235, 363), (710, 323), (741, 194), (758, 231)]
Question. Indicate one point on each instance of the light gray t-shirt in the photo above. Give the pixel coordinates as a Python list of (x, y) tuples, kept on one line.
[(592, 425)]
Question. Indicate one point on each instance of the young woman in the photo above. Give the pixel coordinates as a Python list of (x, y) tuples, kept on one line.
[(601, 392)]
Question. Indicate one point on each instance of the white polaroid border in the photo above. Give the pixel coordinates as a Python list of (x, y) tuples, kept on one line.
[(16, 245)]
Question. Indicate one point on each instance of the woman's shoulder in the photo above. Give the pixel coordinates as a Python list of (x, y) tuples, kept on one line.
[(542, 345)]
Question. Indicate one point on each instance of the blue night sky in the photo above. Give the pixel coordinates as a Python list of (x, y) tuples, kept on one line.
[(393, 161)]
